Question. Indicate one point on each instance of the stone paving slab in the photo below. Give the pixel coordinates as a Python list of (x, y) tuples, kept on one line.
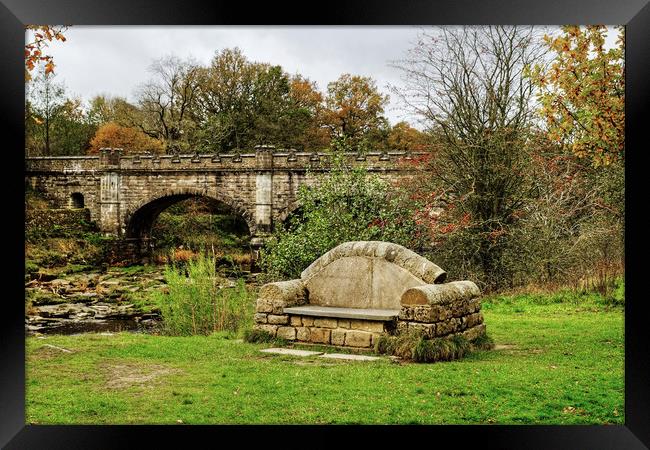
[(289, 351), (350, 357)]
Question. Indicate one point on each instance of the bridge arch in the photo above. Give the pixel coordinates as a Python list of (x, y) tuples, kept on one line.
[(290, 210), (139, 219)]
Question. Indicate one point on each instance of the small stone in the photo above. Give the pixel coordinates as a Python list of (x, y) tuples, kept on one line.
[(325, 323), (473, 320), (288, 333), (406, 312), (367, 325), (278, 320), (338, 337), (302, 334), (263, 306), (474, 332), (295, 321), (430, 313), (446, 327), (271, 329), (428, 329), (357, 338), (474, 305), (278, 306), (402, 326), (319, 335), (260, 318)]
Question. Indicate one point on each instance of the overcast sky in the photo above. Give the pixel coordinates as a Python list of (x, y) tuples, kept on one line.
[(113, 60)]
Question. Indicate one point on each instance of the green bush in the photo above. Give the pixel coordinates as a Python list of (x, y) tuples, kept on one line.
[(483, 342), (198, 302), (347, 205), (30, 267)]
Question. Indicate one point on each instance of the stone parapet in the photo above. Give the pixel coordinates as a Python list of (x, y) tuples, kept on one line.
[(262, 158)]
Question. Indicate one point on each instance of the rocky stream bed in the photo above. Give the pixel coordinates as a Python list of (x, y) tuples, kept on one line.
[(113, 300)]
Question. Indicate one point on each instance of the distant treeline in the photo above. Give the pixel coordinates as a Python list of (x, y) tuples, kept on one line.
[(231, 104)]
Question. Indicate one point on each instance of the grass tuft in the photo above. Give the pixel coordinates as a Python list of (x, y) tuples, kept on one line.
[(255, 336), (483, 342), (414, 346)]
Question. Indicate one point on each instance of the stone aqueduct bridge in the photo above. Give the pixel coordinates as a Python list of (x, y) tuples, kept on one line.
[(125, 194)]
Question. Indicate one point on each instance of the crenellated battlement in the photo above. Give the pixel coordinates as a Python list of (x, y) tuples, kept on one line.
[(264, 158)]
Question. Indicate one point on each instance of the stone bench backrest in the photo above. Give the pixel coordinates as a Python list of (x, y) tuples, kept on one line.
[(367, 274)]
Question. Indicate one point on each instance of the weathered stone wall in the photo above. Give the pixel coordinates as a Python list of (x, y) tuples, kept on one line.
[(323, 330), (463, 316), (57, 221), (58, 188)]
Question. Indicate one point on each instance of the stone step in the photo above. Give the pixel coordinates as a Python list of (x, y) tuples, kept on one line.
[(344, 356), (350, 357), (289, 351)]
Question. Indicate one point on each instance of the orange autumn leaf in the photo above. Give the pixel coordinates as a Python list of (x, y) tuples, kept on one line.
[(34, 51), (582, 93)]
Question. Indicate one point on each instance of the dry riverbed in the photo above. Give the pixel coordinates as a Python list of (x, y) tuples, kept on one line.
[(117, 299)]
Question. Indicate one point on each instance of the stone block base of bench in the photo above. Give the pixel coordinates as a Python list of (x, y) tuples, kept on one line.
[(361, 333), (460, 317), (344, 332)]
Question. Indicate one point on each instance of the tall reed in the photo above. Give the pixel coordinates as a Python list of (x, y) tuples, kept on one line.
[(199, 301)]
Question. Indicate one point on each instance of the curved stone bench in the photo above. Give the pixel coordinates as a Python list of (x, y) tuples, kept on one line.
[(360, 289)]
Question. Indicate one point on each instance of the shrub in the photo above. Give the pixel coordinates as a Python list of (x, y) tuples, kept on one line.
[(130, 139), (347, 205), (199, 302), (183, 256)]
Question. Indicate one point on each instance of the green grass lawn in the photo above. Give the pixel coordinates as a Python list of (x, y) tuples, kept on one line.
[(554, 363)]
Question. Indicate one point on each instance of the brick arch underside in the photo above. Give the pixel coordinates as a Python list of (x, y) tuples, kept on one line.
[(140, 219)]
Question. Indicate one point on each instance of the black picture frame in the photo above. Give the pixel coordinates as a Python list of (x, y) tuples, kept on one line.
[(14, 14)]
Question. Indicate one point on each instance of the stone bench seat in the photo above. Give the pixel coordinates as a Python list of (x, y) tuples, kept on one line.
[(360, 290), (344, 313)]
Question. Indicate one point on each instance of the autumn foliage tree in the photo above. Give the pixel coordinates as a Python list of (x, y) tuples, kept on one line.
[(582, 98), (103, 109), (403, 137), (35, 50), (354, 110), (130, 139), (305, 115), (582, 93)]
